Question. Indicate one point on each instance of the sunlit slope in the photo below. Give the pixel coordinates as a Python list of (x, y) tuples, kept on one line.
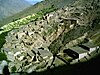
[(36, 8)]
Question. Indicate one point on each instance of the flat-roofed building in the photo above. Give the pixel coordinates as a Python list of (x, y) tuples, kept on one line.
[(89, 47), (76, 52)]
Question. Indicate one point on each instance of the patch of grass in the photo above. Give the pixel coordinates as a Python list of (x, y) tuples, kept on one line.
[(2, 38), (3, 56), (26, 20), (2, 41), (14, 68)]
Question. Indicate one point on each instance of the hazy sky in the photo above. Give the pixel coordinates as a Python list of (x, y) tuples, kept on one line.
[(34, 1)]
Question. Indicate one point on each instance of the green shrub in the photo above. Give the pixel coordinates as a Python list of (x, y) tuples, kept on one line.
[(3, 56), (13, 69), (2, 39)]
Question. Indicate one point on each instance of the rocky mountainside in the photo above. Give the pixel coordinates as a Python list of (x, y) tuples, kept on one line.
[(32, 47), (11, 7)]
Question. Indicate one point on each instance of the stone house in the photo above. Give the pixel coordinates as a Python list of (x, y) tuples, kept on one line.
[(76, 52), (89, 47)]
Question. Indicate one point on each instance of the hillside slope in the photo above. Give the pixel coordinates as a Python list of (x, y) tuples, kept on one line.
[(36, 8), (11, 7), (32, 47)]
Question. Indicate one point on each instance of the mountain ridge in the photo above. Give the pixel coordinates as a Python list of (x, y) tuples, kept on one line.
[(11, 7), (36, 8)]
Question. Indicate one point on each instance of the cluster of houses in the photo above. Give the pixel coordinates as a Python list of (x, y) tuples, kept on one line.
[(37, 36), (82, 51)]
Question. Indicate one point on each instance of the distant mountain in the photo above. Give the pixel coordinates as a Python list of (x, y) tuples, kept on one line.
[(36, 8), (11, 7), (46, 4)]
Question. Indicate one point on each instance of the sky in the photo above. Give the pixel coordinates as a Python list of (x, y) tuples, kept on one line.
[(34, 1)]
